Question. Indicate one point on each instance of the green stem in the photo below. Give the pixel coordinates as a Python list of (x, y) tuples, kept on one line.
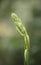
[(21, 29)]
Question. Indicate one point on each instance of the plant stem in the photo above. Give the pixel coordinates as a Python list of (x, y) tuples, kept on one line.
[(21, 29)]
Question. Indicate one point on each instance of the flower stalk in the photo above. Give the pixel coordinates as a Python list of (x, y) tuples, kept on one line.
[(22, 30)]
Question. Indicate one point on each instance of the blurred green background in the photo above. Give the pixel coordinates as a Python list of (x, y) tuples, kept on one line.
[(11, 43)]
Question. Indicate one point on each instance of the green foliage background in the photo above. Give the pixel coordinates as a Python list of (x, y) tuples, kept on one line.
[(11, 43)]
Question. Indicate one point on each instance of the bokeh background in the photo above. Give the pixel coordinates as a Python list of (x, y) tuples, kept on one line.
[(11, 43)]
